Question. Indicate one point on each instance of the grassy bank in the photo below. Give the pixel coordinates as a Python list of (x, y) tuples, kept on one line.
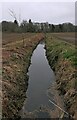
[(16, 60), (62, 58)]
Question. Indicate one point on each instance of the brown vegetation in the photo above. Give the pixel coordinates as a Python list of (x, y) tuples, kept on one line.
[(67, 36), (15, 62)]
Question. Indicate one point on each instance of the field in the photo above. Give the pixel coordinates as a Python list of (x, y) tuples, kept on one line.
[(16, 53), (68, 37)]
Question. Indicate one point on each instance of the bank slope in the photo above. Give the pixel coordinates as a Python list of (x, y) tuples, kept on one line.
[(62, 58), (16, 60)]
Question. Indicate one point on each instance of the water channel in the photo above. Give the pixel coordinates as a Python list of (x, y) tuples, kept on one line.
[(41, 76)]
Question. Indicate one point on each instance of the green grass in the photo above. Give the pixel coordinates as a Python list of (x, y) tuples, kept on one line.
[(58, 49), (62, 48), (63, 58)]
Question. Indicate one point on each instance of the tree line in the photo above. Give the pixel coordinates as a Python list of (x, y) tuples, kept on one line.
[(29, 26)]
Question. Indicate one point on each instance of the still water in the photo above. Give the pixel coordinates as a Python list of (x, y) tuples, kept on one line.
[(41, 77)]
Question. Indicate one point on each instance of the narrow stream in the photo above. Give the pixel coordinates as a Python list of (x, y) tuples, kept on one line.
[(41, 77)]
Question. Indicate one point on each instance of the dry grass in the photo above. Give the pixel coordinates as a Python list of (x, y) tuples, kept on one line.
[(15, 62)]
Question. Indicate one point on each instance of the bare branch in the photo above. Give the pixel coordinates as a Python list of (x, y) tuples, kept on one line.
[(12, 14)]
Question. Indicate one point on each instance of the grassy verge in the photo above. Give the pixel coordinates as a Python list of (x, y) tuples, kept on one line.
[(62, 58), (16, 60)]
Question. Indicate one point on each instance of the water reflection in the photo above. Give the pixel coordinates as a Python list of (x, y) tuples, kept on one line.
[(40, 78)]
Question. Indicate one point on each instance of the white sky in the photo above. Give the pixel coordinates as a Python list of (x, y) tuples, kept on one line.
[(48, 11)]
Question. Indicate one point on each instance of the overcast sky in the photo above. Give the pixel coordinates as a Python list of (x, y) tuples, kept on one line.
[(52, 12)]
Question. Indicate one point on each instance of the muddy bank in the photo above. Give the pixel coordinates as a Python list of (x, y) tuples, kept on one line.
[(16, 60), (61, 56)]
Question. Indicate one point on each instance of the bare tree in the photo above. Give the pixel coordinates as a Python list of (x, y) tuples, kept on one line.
[(14, 16), (11, 12)]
